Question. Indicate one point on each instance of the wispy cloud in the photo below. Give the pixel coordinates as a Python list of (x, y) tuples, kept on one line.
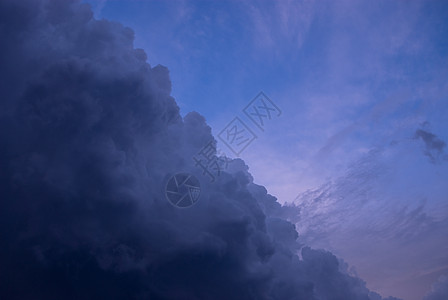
[(434, 147)]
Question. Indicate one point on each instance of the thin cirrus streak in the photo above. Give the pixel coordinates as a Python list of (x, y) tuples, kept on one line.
[(374, 213)]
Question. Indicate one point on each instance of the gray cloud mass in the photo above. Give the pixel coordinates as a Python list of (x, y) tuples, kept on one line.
[(89, 134)]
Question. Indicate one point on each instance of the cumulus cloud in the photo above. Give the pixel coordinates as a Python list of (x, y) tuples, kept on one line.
[(89, 136)]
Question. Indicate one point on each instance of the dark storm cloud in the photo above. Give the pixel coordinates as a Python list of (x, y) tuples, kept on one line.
[(89, 134), (434, 147)]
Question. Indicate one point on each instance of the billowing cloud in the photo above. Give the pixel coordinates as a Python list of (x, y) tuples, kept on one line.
[(89, 136)]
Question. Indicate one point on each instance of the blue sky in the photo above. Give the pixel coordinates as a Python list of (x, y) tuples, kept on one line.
[(355, 80)]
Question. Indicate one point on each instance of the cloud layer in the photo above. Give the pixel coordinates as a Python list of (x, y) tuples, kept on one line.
[(89, 136)]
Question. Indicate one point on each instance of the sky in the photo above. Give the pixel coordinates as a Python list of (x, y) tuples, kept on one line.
[(105, 101), (347, 72), (359, 83)]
